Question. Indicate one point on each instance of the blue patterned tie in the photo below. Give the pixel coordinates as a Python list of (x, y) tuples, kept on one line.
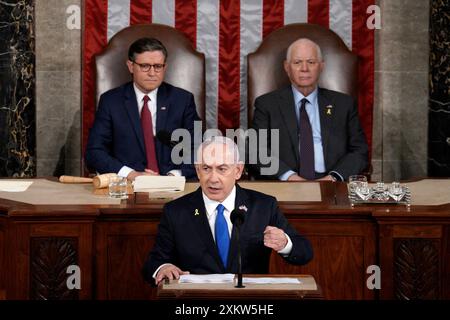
[(222, 236)]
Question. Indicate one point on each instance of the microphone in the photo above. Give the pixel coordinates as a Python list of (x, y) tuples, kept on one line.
[(237, 218), (166, 138)]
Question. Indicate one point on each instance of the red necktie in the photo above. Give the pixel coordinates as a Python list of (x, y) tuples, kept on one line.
[(147, 128), (306, 144)]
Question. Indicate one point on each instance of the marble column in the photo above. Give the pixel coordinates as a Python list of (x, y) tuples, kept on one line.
[(17, 89), (401, 91), (439, 103), (58, 89)]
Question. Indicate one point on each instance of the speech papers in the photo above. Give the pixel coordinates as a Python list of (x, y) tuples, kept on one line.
[(159, 183), (14, 185), (207, 278)]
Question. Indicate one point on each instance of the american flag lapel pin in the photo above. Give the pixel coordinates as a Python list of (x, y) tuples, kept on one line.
[(243, 208), (163, 108)]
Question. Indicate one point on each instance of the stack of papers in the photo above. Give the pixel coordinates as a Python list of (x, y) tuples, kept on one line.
[(159, 183), (264, 280), (14, 185), (207, 278)]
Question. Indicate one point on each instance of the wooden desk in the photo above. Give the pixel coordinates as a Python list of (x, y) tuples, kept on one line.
[(307, 289), (110, 243)]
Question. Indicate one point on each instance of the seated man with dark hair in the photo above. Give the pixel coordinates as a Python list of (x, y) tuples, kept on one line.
[(196, 235), (320, 136), (122, 139)]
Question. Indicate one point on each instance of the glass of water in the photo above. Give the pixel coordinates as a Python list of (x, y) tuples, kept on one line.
[(396, 191), (117, 187), (354, 182)]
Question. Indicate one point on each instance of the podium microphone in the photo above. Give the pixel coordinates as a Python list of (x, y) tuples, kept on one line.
[(237, 218)]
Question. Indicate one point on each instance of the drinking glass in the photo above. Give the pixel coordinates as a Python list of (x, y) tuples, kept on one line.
[(117, 187), (396, 191), (354, 181)]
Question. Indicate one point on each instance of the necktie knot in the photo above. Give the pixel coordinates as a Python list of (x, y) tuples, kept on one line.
[(220, 209), (146, 99), (303, 103)]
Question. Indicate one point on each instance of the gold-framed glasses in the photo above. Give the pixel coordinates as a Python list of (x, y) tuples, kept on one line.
[(145, 67)]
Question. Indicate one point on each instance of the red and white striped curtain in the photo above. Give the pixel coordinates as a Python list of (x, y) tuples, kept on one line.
[(226, 31)]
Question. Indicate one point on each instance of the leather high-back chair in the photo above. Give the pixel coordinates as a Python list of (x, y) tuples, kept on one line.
[(265, 66), (186, 66)]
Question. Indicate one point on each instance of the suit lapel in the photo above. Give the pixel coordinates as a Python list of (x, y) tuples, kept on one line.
[(202, 226), (326, 118), (133, 113), (162, 110), (287, 110), (240, 201)]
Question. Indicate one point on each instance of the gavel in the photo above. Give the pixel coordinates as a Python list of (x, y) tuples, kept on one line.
[(99, 181)]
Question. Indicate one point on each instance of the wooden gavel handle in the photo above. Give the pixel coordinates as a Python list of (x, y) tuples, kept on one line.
[(72, 179)]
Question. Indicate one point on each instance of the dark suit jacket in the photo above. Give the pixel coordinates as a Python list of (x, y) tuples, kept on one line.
[(185, 239), (116, 138), (344, 144)]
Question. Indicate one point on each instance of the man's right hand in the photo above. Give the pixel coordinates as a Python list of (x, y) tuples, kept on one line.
[(170, 272), (295, 177), (133, 174)]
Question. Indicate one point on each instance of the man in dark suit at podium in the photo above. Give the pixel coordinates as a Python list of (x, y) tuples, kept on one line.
[(129, 118), (320, 136), (196, 235)]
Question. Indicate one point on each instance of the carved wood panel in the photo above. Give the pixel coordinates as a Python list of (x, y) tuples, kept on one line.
[(416, 269), (49, 259)]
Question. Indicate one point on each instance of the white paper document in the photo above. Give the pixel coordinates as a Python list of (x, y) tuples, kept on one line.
[(206, 278), (159, 183), (14, 186), (270, 280)]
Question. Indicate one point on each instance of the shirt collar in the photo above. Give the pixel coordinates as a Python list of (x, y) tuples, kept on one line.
[(298, 96), (228, 203), (140, 95)]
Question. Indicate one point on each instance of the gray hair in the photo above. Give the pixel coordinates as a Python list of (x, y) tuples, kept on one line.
[(230, 145), (301, 40)]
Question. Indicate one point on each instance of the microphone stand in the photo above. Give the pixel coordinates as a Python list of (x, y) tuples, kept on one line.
[(239, 283)]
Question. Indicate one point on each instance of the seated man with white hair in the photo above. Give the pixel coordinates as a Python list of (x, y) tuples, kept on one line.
[(320, 135), (196, 236)]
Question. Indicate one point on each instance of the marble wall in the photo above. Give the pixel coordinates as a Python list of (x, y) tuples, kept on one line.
[(58, 89), (401, 91), (439, 103), (17, 89)]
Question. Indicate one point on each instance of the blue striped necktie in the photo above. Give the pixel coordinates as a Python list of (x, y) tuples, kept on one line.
[(222, 236)]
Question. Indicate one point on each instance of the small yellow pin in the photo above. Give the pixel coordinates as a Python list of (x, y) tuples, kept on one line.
[(329, 112), (196, 213), (329, 107)]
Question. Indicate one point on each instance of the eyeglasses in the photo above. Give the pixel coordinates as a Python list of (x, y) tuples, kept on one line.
[(145, 67)]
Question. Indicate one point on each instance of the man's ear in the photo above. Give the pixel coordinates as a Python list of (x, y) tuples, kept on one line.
[(130, 66), (239, 170), (322, 65), (286, 66)]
